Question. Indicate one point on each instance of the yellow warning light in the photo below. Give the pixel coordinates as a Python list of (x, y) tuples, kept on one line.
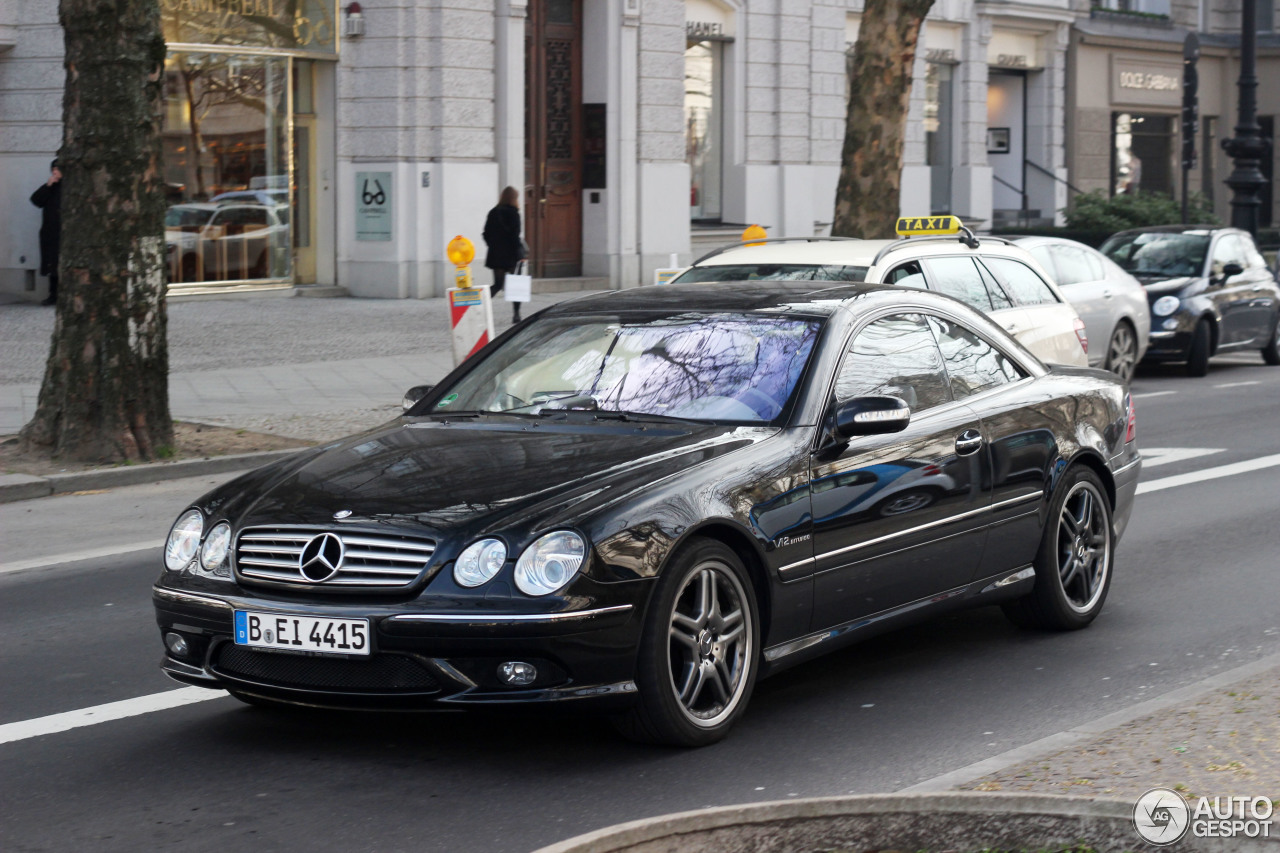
[(461, 251), (754, 235), (909, 226)]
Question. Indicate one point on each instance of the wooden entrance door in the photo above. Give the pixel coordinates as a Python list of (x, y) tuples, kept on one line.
[(553, 137)]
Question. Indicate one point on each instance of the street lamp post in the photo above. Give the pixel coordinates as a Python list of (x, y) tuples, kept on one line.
[(1248, 146)]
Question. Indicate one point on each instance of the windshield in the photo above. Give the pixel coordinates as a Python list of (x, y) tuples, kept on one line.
[(772, 272), (734, 368), (1159, 253), (186, 217)]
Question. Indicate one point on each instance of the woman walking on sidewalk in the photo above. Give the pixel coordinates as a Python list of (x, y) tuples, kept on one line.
[(502, 236)]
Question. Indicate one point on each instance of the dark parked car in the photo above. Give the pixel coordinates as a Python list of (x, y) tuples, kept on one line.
[(612, 503), (1210, 292)]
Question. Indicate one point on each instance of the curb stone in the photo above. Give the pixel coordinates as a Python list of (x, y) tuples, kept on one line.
[(21, 487), (963, 821)]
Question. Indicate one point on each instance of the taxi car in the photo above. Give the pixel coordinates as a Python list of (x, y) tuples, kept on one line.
[(936, 253), (1210, 292), (649, 499)]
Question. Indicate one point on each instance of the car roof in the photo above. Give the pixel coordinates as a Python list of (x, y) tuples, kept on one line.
[(1176, 229), (765, 297), (856, 252)]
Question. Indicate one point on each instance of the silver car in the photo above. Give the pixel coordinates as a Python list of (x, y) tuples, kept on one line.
[(1112, 303)]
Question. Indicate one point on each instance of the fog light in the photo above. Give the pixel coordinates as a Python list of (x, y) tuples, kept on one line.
[(177, 644), (1170, 324), (517, 673)]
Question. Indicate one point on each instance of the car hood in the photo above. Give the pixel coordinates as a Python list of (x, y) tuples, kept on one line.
[(472, 475), (1163, 287)]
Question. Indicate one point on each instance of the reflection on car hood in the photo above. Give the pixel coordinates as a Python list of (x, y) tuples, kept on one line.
[(1168, 285), (446, 474)]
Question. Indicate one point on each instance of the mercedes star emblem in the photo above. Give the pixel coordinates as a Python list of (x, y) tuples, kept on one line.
[(321, 557)]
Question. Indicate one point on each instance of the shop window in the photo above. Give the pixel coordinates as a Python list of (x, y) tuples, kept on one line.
[(1146, 7), (1142, 153), (226, 167), (938, 134), (704, 126)]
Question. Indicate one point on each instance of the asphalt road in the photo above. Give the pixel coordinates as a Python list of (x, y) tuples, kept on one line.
[(1194, 595)]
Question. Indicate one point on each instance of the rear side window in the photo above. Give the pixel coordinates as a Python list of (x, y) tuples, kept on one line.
[(1027, 287), (973, 364), (963, 279), (1073, 265), (897, 356)]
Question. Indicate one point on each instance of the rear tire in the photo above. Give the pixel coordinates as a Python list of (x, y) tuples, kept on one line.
[(1073, 565), (1122, 352), (699, 653), (1198, 354), (1271, 352)]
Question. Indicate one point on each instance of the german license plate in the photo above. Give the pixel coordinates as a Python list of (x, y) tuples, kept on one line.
[(302, 633)]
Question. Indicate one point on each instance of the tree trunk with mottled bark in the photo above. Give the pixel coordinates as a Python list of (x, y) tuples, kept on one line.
[(105, 395), (880, 84)]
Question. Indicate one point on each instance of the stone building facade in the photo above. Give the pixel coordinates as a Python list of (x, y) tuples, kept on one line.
[(348, 144)]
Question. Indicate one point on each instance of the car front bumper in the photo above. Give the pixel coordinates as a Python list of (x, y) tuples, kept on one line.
[(1168, 346), (419, 658)]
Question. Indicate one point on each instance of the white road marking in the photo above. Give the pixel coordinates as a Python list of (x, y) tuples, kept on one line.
[(1150, 394), (1231, 470), (55, 723), (75, 556), (1237, 384), (1153, 456)]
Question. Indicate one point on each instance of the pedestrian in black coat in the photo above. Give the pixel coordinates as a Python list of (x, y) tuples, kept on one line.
[(502, 236), (49, 199)]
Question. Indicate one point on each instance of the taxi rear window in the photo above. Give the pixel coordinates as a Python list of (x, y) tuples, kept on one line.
[(772, 272)]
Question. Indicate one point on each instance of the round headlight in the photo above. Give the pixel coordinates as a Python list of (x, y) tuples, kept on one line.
[(184, 540), (479, 562), (550, 563), (1165, 305), (213, 556)]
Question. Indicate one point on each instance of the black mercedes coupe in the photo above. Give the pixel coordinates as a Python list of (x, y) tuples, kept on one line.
[(647, 500)]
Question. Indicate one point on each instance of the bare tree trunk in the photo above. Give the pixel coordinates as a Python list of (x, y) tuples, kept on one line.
[(105, 395), (880, 73)]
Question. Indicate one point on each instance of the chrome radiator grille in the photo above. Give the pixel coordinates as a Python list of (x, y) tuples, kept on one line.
[(369, 560)]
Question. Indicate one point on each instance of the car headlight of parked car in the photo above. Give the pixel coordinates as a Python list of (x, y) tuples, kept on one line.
[(184, 540), (213, 555), (1165, 305), (479, 562), (550, 563)]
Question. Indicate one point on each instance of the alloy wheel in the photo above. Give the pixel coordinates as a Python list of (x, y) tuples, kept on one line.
[(710, 644), (1122, 355), (1084, 547)]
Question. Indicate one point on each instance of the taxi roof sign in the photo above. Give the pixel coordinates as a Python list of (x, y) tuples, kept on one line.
[(911, 226)]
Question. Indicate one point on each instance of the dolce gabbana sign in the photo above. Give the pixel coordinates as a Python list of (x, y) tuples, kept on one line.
[(1144, 82), (308, 26)]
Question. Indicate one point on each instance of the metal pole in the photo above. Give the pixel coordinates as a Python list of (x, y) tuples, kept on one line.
[(1248, 146)]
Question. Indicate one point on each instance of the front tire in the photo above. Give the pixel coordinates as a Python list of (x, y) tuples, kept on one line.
[(1198, 354), (699, 653), (1073, 565), (1122, 352)]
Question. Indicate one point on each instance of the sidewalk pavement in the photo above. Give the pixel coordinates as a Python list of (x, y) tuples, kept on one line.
[(321, 368)]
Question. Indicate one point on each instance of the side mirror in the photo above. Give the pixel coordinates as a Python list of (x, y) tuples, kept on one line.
[(872, 416), (1230, 270), (413, 395)]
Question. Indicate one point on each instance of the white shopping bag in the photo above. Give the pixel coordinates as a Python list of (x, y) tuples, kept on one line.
[(518, 285)]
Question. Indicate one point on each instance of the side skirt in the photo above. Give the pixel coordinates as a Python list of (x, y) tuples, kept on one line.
[(992, 590)]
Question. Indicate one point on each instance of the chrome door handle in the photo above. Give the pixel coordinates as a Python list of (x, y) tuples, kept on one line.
[(1106, 294), (968, 442)]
